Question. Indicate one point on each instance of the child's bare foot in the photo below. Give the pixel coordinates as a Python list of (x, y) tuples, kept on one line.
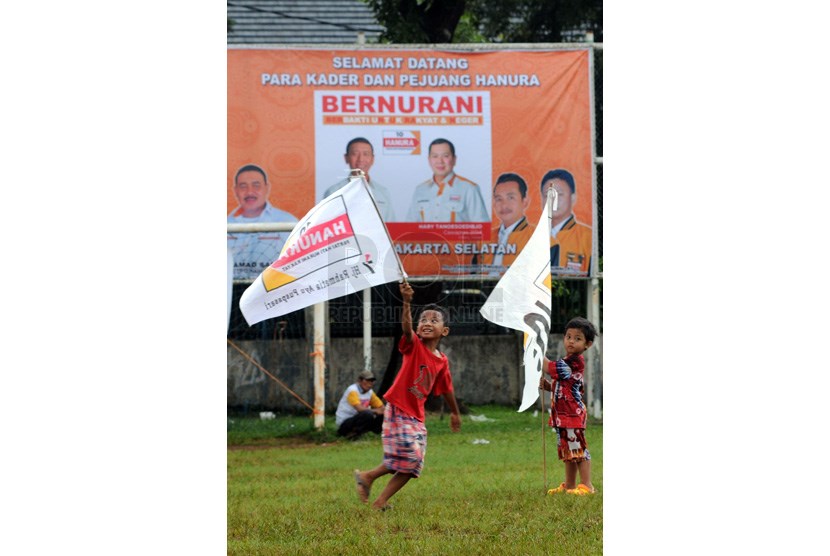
[(362, 486)]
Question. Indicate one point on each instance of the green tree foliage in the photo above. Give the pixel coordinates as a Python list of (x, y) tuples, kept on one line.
[(507, 21), (418, 21), (531, 21)]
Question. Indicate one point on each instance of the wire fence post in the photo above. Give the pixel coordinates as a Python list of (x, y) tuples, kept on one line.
[(592, 380)]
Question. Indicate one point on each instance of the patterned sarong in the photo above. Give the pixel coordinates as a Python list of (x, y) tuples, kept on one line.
[(572, 445), (404, 441)]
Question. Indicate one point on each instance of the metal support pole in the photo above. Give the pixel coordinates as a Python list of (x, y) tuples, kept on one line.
[(367, 329), (593, 375), (319, 364), (589, 355)]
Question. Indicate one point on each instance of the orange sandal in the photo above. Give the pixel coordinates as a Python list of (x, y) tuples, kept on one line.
[(581, 490), (560, 488)]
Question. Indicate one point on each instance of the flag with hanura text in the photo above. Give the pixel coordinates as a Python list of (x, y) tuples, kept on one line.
[(340, 246)]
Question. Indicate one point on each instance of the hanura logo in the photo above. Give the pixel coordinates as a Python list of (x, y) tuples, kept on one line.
[(402, 142), (302, 254)]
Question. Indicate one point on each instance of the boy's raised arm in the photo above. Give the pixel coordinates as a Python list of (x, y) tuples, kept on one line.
[(406, 317)]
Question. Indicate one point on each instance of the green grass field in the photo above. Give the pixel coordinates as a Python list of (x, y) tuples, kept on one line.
[(291, 491)]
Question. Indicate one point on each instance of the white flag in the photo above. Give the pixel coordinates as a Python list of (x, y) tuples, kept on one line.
[(339, 247), (521, 300)]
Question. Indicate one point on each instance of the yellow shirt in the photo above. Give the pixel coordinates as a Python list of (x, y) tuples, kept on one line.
[(518, 237), (570, 250)]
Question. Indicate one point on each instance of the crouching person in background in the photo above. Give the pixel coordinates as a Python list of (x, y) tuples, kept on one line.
[(360, 410)]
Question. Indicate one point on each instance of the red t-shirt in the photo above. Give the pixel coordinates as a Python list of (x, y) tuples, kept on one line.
[(422, 373)]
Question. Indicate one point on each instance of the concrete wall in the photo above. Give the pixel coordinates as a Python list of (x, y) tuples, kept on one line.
[(485, 369)]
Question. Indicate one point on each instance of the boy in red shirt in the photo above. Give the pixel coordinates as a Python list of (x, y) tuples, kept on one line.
[(424, 371), (567, 412)]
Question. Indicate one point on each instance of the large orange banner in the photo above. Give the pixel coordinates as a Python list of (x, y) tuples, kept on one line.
[(458, 148)]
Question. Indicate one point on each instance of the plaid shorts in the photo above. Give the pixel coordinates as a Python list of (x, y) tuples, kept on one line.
[(572, 445), (404, 441)]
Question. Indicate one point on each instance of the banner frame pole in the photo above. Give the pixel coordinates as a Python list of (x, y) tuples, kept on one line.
[(319, 364), (367, 329)]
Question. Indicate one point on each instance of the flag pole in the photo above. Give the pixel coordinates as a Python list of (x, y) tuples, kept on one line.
[(358, 173), (367, 293), (544, 447), (551, 205)]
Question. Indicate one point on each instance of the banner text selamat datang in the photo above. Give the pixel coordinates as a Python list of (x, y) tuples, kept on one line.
[(398, 63)]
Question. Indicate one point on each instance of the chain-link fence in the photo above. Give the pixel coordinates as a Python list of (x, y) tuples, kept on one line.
[(271, 364), (461, 299)]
